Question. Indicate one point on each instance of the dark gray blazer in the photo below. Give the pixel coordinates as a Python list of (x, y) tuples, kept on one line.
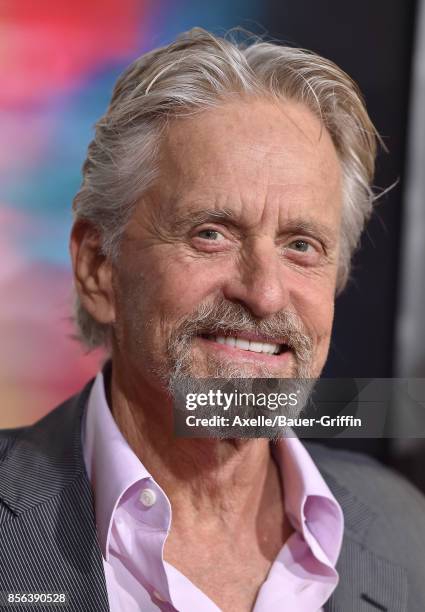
[(48, 540)]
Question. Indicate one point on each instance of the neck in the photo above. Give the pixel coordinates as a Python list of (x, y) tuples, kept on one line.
[(226, 482)]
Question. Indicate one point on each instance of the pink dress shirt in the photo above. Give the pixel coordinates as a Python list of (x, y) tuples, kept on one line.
[(133, 517)]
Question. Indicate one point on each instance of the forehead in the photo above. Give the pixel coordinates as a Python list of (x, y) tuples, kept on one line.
[(263, 130), (251, 151)]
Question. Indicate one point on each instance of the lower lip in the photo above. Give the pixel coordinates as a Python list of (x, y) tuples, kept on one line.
[(241, 354)]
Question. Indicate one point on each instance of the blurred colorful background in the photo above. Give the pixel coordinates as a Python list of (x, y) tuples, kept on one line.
[(58, 63)]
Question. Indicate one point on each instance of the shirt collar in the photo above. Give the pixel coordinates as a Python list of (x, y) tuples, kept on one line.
[(111, 465), (309, 503), (113, 468)]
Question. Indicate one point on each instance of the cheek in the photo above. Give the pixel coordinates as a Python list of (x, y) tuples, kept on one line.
[(174, 285), (315, 306)]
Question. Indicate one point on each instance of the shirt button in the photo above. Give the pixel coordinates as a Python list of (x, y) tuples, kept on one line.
[(148, 497)]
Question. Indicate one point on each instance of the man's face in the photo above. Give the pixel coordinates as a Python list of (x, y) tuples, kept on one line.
[(228, 265)]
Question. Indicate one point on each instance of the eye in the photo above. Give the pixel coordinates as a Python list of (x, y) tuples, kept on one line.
[(300, 245), (210, 234)]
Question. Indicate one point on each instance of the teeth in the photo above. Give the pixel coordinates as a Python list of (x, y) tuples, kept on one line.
[(257, 347), (247, 345), (242, 344)]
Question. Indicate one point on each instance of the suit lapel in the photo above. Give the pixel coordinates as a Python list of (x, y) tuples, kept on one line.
[(44, 458), (368, 582), (47, 523)]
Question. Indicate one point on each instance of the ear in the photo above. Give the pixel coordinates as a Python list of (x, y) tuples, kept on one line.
[(92, 272)]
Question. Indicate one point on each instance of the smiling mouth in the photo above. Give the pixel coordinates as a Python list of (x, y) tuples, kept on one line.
[(249, 345)]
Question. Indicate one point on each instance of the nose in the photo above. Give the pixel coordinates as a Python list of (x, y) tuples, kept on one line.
[(259, 280)]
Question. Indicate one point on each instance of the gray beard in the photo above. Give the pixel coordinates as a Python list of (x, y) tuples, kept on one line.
[(180, 376), (181, 386)]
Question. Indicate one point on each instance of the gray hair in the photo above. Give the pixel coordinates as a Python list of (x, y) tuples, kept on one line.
[(196, 72)]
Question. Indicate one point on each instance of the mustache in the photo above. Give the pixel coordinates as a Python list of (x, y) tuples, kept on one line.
[(226, 317)]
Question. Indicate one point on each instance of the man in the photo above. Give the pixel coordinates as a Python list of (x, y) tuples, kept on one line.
[(223, 194)]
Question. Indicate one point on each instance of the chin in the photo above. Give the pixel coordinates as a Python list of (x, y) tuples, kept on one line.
[(224, 368)]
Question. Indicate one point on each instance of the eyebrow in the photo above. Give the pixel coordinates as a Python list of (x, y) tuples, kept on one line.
[(196, 217), (300, 225)]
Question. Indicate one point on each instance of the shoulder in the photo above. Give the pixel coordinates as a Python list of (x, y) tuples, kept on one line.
[(396, 508), (8, 438), (10, 434), (55, 435), (368, 479)]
